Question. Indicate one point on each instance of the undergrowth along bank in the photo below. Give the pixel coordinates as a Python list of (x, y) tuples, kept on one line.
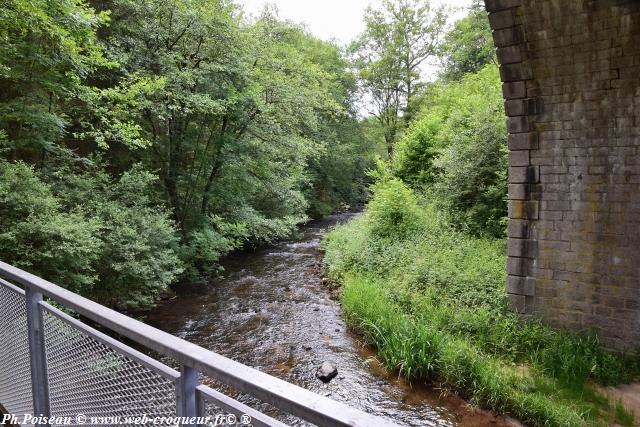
[(431, 300)]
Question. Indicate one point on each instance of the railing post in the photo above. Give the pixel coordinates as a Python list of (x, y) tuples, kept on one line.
[(186, 393), (35, 328)]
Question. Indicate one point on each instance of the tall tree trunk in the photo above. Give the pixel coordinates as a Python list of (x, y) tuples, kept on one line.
[(206, 194)]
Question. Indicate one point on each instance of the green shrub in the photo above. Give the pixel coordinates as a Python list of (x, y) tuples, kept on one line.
[(393, 211), (210, 242), (140, 256), (37, 236), (108, 240), (140, 252), (418, 249), (471, 175), (457, 151)]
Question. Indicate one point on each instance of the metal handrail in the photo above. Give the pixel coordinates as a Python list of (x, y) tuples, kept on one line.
[(287, 397)]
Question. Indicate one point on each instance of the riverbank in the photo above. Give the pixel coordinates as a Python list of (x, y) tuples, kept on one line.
[(431, 301)]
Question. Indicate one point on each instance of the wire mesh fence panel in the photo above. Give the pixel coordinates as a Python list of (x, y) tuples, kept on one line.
[(87, 376), (223, 410), (89, 373), (15, 365), (214, 411)]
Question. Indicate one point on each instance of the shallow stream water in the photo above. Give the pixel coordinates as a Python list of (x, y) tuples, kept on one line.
[(272, 312)]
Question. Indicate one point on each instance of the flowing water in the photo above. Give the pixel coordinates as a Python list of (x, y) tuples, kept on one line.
[(271, 311)]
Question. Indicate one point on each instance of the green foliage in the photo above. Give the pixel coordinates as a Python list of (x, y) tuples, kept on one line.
[(430, 254), (339, 175), (393, 211), (105, 239), (212, 241), (432, 302), (215, 133), (38, 236), (468, 47), (457, 151), (471, 182), (399, 37), (47, 48), (244, 122), (140, 254)]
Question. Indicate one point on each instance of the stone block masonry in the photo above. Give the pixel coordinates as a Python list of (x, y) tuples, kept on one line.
[(571, 84)]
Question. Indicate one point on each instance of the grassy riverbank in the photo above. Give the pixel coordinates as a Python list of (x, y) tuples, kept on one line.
[(431, 300)]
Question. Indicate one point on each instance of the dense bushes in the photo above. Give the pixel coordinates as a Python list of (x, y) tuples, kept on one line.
[(37, 235), (393, 211), (419, 243), (212, 241), (432, 302), (140, 254), (457, 151), (107, 239)]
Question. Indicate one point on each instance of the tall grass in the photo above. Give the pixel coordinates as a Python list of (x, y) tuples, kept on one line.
[(432, 301)]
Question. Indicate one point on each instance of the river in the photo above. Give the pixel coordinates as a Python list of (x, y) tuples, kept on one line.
[(271, 311)]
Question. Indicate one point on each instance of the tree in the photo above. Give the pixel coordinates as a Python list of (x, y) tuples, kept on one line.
[(398, 39), (46, 49), (238, 118), (468, 47), (181, 78)]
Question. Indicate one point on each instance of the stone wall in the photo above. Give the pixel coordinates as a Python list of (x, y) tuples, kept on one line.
[(571, 83)]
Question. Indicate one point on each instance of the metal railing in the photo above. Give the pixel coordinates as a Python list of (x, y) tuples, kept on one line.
[(52, 364)]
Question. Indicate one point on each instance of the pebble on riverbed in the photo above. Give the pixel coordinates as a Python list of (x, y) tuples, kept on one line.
[(326, 372)]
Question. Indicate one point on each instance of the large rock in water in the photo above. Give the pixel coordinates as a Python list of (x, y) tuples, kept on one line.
[(326, 372)]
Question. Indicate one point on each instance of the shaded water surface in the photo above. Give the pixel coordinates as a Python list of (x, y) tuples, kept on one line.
[(272, 312)]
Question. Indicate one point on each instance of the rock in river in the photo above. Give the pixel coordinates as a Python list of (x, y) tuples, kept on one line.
[(326, 372)]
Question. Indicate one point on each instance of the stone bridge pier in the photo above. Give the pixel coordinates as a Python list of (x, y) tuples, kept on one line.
[(571, 83)]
